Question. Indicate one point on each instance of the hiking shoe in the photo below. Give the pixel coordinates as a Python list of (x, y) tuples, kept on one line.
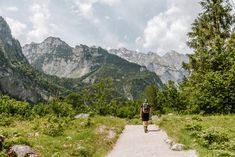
[(145, 129)]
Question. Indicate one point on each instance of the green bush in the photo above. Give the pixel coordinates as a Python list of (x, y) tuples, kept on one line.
[(58, 108), (6, 120), (193, 127), (51, 125), (223, 153), (16, 140), (13, 107), (213, 137)]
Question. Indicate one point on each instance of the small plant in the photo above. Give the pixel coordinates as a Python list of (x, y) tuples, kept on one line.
[(193, 127), (51, 126), (17, 140), (213, 137), (197, 118), (6, 120), (223, 153)]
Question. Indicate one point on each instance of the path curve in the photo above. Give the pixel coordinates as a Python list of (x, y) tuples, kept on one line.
[(133, 142)]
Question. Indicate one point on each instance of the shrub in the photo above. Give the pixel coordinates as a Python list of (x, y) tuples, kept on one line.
[(13, 107), (223, 153), (193, 127), (16, 140), (213, 137), (6, 120), (50, 125), (60, 109)]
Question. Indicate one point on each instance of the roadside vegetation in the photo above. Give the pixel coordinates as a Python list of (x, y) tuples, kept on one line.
[(203, 105), (210, 136), (57, 133)]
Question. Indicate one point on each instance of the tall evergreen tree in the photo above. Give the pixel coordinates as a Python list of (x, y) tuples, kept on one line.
[(211, 63)]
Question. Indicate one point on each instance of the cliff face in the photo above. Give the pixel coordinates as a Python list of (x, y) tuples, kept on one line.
[(12, 81), (167, 67), (17, 78), (90, 64)]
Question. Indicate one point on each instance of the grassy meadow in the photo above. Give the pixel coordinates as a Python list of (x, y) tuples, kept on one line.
[(64, 137), (210, 136)]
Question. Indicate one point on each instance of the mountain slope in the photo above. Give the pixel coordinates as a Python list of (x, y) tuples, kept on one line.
[(17, 78), (167, 67), (91, 64)]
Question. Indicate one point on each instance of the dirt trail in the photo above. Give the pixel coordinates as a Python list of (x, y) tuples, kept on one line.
[(133, 142)]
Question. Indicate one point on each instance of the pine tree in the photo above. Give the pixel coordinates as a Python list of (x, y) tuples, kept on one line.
[(207, 89), (209, 34)]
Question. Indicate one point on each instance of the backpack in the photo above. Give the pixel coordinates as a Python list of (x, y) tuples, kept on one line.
[(145, 108)]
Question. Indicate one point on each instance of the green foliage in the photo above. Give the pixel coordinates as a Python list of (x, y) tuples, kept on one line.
[(13, 107), (71, 138), (52, 126), (214, 137), (55, 107), (211, 136), (6, 120), (169, 99), (211, 86), (152, 97)]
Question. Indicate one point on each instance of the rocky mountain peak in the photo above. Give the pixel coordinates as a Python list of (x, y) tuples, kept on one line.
[(5, 32), (168, 66), (53, 42)]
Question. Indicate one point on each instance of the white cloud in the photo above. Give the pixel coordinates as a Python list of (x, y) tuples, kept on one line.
[(110, 2), (85, 7), (40, 19), (168, 30), (8, 9), (18, 28), (11, 8)]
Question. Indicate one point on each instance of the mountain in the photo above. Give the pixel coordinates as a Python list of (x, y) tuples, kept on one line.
[(167, 67), (91, 64), (17, 78)]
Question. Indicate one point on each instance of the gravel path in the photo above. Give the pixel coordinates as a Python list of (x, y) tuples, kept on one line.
[(133, 142)]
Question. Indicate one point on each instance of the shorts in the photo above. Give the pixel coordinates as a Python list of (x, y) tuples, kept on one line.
[(145, 116)]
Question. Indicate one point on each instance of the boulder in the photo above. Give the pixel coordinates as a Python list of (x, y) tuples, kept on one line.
[(21, 151), (154, 117), (169, 141), (82, 115), (177, 147)]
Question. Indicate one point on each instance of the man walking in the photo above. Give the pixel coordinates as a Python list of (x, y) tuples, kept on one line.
[(144, 114)]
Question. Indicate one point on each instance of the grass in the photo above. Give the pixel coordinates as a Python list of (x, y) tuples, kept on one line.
[(210, 136), (60, 137)]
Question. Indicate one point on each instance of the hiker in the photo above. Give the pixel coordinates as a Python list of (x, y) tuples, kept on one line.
[(144, 114)]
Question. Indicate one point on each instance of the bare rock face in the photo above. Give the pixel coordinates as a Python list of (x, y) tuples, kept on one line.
[(21, 151), (13, 67), (167, 67), (55, 57)]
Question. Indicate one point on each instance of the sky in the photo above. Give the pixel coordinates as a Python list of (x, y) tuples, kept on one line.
[(142, 25)]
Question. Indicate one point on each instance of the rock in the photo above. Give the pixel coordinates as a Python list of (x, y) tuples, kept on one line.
[(154, 117), (177, 147), (21, 151), (82, 115), (111, 134), (169, 141), (101, 129)]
